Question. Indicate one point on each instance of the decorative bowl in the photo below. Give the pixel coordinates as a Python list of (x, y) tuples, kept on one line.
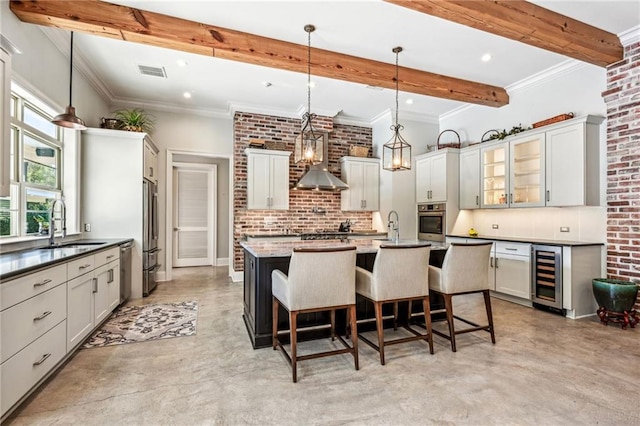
[(615, 295)]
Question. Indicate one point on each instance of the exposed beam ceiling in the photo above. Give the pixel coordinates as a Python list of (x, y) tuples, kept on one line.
[(527, 23), (134, 25)]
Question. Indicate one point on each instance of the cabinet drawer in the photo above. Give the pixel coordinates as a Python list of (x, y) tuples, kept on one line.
[(23, 370), (517, 249), (80, 266), (26, 321), (20, 289), (106, 256)]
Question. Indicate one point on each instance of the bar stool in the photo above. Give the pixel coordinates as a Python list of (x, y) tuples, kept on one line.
[(318, 280), (464, 271), (400, 273)]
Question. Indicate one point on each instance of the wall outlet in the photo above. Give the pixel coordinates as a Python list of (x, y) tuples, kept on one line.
[(564, 229), (87, 227), (494, 226)]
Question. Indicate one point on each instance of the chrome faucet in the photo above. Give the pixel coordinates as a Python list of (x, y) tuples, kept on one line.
[(63, 221), (394, 225)]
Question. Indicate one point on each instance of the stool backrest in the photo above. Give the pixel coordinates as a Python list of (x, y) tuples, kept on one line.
[(466, 267), (322, 277), (401, 272)]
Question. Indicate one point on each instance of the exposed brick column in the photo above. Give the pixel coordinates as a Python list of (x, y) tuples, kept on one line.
[(299, 217), (623, 171)]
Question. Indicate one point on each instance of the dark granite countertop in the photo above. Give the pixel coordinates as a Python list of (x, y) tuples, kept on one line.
[(527, 240), (354, 233), (14, 264)]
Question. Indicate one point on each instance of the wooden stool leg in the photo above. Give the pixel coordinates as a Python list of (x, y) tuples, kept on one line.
[(274, 327), (410, 308), (333, 324), (487, 304), (448, 304), (395, 316), (351, 314), (427, 321), (293, 319), (380, 328), (347, 333)]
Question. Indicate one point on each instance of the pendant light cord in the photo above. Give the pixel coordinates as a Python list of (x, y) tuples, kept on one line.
[(397, 52), (309, 72), (71, 70)]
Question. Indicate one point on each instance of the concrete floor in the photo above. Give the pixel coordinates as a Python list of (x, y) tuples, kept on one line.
[(543, 370)]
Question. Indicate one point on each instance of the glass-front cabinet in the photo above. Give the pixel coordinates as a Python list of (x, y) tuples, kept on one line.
[(513, 173), (527, 171), (495, 172)]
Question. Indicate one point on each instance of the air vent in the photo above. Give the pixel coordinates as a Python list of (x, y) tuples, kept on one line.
[(152, 71)]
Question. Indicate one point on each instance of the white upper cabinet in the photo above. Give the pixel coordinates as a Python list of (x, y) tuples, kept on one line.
[(495, 175), (470, 178), (5, 142), (572, 164), (526, 180), (436, 175), (267, 179), (363, 177)]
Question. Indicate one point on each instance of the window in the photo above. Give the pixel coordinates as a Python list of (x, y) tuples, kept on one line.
[(39, 149)]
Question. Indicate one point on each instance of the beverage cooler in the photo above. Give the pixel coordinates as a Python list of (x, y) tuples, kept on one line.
[(546, 279)]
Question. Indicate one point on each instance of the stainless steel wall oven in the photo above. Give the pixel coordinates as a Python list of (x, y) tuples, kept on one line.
[(431, 222)]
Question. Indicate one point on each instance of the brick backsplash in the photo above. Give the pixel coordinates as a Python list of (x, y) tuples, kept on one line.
[(623, 167), (299, 217)]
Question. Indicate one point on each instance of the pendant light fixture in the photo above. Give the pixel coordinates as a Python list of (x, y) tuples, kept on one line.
[(309, 143), (69, 118), (396, 154)]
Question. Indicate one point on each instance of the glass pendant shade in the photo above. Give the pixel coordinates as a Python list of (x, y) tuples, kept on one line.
[(396, 154), (309, 143), (69, 118)]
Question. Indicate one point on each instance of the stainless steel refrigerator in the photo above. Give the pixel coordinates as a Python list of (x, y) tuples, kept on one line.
[(150, 248)]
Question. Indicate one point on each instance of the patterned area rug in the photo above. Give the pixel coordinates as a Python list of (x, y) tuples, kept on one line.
[(131, 324)]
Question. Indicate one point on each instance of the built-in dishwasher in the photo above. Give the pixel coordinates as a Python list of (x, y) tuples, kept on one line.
[(125, 272)]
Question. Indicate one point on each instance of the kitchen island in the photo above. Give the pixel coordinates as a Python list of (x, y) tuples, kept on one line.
[(262, 258)]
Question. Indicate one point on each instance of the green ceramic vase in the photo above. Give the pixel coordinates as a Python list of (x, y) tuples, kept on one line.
[(615, 295)]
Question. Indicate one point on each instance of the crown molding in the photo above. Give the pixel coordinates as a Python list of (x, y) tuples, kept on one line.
[(570, 65), (384, 115), (80, 62), (630, 36), (166, 107), (349, 120), (457, 110)]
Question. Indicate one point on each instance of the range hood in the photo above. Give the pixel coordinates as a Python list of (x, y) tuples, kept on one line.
[(318, 176)]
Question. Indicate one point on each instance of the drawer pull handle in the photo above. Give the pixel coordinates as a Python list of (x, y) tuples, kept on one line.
[(511, 249), (85, 266), (111, 275), (43, 316), (111, 256), (95, 285), (41, 283), (41, 360)]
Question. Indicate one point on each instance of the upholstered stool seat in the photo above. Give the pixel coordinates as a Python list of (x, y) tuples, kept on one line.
[(400, 273), (464, 270), (318, 280)]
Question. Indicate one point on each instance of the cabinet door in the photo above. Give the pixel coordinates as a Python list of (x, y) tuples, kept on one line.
[(113, 285), (438, 178), (513, 275), (495, 172), (5, 141), (470, 179), (526, 181), (101, 294), (371, 186), (423, 180), (565, 166), (279, 182), (353, 174), (79, 309), (258, 181)]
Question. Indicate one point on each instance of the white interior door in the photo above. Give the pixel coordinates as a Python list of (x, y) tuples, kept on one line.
[(194, 216)]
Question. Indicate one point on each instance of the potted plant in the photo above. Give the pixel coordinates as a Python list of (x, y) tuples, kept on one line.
[(135, 120), (43, 225)]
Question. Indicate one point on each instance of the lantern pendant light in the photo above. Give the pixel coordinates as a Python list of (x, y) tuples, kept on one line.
[(396, 154), (69, 118), (309, 143)]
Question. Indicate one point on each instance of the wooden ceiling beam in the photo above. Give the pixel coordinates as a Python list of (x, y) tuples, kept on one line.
[(527, 23), (130, 24)]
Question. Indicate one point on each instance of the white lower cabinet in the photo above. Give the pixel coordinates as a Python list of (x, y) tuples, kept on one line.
[(106, 295), (511, 267), (79, 309)]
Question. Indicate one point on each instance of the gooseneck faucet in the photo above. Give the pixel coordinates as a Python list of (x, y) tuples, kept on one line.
[(394, 225), (52, 219)]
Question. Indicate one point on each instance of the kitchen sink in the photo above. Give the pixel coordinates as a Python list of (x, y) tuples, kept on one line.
[(74, 245)]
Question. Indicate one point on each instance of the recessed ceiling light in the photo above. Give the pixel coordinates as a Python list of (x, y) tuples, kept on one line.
[(486, 57), (187, 95), (181, 63), (409, 101), (267, 84), (312, 84)]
